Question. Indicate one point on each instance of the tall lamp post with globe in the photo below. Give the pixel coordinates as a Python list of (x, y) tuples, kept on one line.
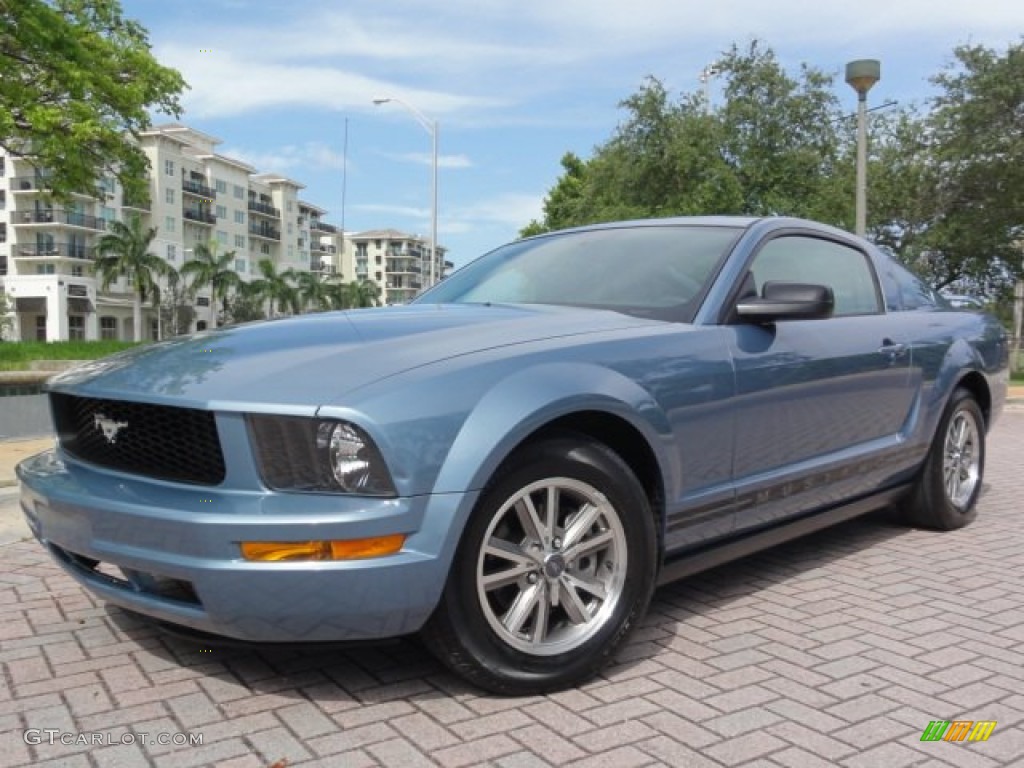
[(861, 75)]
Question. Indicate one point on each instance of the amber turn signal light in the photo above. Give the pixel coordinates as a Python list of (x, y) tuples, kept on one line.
[(345, 549)]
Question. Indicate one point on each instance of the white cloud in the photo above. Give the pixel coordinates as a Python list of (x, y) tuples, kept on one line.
[(425, 158), (312, 154)]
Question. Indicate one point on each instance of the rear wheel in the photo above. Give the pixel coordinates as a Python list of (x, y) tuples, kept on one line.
[(947, 490), (556, 564)]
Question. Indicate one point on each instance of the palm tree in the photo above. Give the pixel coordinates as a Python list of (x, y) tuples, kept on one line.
[(275, 287), (124, 252), (362, 293), (209, 269), (314, 291)]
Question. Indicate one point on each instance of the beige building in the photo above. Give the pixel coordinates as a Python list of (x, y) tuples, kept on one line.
[(195, 196)]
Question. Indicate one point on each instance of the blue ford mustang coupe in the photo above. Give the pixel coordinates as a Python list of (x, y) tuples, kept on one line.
[(513, 462)]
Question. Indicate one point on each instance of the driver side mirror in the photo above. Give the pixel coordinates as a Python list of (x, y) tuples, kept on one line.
[(787, 301)]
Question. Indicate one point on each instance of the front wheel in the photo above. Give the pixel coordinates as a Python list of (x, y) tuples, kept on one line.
[(947, 490), (556, 564)]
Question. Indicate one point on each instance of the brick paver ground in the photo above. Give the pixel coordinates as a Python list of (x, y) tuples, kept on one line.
[(834, 650)]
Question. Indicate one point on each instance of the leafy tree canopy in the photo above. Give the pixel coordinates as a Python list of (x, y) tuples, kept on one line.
[(76, 81), (945, 183)]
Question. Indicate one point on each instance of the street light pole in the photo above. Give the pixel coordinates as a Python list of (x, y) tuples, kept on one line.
[(861, 75), (430, 126), (706, 74)]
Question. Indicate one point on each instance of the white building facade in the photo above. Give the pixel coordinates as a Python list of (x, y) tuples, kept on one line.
[(196, 196)]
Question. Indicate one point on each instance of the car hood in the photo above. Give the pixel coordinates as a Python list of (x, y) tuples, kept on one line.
[(303, 362)]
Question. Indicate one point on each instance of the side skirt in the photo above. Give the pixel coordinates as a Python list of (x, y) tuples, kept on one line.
[(694, 562)]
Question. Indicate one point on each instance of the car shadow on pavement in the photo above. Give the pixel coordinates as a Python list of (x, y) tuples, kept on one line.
[(702, 616)]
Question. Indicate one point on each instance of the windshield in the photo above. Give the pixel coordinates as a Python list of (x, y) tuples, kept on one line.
[(652, 271)]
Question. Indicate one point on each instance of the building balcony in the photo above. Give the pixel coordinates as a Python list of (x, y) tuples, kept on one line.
[(320, 226), (60, 217), (403, 267), (137, 205), (265, 209), (322, 267), (29, 183), (199, 190), (199, 216), (62, 250), (265, 232)]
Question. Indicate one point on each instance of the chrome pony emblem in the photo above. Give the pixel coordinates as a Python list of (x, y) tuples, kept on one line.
[(109, 427)]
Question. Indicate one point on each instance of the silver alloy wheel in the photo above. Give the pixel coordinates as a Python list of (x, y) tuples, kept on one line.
[(552, 567), (961, 458)]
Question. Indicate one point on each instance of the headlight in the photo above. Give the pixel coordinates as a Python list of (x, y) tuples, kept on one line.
[(317, 455)]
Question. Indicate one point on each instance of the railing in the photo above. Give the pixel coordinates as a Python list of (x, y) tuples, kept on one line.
[(268, 233), (24, 183), (66, 250), (198, 189), (316, 265), (321, 226), (57, 216), (139, 205), (265, 209), (199, 215)]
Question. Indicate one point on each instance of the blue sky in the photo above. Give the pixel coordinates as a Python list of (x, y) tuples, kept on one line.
[(512, 85)]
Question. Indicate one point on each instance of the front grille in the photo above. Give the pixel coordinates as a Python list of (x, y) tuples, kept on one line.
[(158, 441)]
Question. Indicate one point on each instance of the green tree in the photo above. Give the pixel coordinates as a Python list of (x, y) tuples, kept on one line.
[(124, 253), (275, 288), (314, 290), (362, 293), (207, 268), (243, 307), (6, 321), (776, 146), (77, 83), (976, 135)]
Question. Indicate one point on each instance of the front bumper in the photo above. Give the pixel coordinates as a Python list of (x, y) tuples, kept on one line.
[(172, 552)]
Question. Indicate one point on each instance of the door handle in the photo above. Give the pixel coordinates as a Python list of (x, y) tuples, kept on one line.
[(892, 350)]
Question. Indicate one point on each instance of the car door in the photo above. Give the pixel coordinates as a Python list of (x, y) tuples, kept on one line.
[(820, 402)]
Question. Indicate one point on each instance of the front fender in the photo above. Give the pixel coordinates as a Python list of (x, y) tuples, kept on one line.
[(520, 404)]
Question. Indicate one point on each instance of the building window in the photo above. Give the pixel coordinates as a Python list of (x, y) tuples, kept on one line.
[(222, 186), (169, 167), (265, 248), (107, 213), (289, 206), (239, 217), (172, 252), (3, 199), (239, 192), (290, 227), (222, 212), (169, 195), (76, 270), (377, 276), (168, 224), (108, 328), (44, 269), (291, 251), (222, 237), (76, 327), (239, 265), (202, 301), (201, 325), (40, 327), (239, 241)]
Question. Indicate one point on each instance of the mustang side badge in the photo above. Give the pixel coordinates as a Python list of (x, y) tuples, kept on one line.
[(109, 427)]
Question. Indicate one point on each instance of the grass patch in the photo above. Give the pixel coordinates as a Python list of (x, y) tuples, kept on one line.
[(16, 355)]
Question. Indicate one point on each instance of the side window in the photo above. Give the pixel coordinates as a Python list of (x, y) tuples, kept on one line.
[(798, 259), (914, 292)]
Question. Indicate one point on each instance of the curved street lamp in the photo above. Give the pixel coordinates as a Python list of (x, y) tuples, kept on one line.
[(430, 126)]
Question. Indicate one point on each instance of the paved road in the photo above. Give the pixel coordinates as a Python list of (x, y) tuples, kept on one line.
[(835, 650)]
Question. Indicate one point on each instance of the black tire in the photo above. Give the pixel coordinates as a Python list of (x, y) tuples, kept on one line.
[(946, 494), (498, 623)]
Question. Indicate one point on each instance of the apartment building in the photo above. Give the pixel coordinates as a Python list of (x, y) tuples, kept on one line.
[(196, 195), (398, 262)]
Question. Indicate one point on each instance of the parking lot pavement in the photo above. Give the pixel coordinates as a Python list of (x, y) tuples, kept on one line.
[(838, 649)]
